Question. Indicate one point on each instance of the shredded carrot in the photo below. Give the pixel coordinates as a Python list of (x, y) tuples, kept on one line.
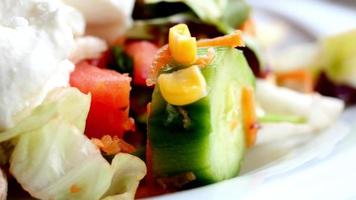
[(231, 40), (97, 142), (301, 80), (249, 115), (249, 27), (113, 145), (162, 58), (74, 189)]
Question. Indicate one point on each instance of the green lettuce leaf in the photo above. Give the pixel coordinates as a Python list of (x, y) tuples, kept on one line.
[(69, 103), (147, 29), (226, 15), (57, 157), (338, 57), (55, 160), (129, 170)]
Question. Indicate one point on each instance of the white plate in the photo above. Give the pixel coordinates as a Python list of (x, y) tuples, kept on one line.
[(322, 168)]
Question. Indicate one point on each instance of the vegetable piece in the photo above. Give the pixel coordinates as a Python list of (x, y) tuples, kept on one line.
[(72, 107), (56, 161), (123, 62), (234, 39), (300, 80), (183, 87), (338, 58), (164, 57), (109, 107), (48, 160), (113, 145), (128, 171), (226, 15), (182, 46), (249, 116), (143, 53), (197, 137), (249, 27)]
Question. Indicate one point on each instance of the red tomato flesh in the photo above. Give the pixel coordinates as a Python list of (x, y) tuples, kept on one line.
[(110, 91), (142, 53)]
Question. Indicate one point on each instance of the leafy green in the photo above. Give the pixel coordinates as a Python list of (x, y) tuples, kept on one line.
[(147, 29), (123, 63), (226, 15), (338, 58), (53, 159), (69, 103), (128, 171)]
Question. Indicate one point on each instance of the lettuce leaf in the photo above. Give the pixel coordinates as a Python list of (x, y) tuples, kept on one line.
[(129, 170), (52, 160), (338, 58), (69, 103), (55, 160), (226, 15)]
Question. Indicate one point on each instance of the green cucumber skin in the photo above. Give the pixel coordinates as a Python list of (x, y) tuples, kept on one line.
[(177, 149)]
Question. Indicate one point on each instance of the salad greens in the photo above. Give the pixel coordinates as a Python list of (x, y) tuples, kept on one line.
[(55, 159), (339, 60), (128, 171), (226, 15), (69, 103), (214, 16), (123, 62)]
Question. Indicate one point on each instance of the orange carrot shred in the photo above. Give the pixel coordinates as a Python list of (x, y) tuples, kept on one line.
[(231, 40), (74, 188), (97, 142), (113, 145), (301, 80), (249, 115), (249, 27), (162, 58)]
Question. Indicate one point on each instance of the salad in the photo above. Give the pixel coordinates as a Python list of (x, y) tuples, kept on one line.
[(131, 99)]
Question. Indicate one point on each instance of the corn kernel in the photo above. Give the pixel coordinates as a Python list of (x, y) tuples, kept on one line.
[(183, 87), (182, 46)]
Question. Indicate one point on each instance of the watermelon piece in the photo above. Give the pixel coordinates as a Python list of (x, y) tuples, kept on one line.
[(142, 53), (109, 109)]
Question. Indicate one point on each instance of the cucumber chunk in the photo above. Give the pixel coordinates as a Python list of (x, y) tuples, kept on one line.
[(199, 137)]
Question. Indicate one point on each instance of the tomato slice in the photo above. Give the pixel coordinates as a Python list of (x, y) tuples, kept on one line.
[(109, 109), (143, 53)]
